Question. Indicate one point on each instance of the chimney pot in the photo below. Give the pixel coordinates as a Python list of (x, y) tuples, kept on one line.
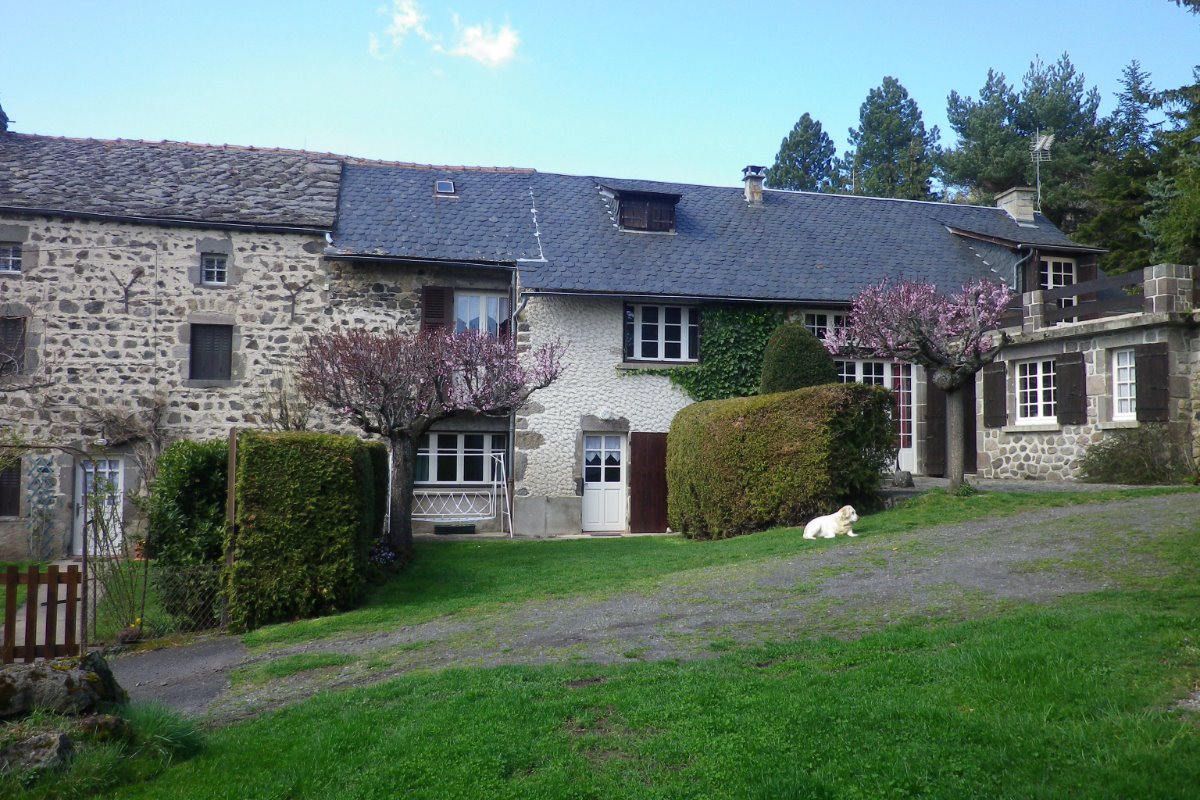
[(753, 177), (1019, 202)]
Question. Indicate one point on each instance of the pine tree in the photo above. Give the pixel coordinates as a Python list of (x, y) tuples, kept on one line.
[(1172, 219), (894, 156), (805, 159), (995, 133), (1120, 185), (3, 121)]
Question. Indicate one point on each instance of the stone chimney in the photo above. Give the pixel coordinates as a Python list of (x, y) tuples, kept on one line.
[(753, 177), (1019, 202)]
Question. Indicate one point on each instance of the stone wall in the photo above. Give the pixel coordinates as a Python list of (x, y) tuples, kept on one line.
[(110, 305), (594, 392)]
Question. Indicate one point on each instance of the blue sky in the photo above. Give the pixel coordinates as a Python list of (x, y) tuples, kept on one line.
[(682, 91)]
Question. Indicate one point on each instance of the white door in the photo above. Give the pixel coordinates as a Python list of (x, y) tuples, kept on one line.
[(99, 488), (603, 482)]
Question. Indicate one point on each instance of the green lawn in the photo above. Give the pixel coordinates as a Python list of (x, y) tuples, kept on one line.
[(449, 578), (1075, 699)]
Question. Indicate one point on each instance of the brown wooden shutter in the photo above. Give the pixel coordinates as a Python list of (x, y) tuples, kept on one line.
[(648, 482), (12, 345), (662, 217), (10, 492), (1070, 389), (437, 308), (935, 430), (1151, 367), (995, 395), (211, 352)]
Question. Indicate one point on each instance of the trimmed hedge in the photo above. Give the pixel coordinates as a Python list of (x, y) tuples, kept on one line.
[(794, 359), (305, 521), (186, 516), (751, 463)]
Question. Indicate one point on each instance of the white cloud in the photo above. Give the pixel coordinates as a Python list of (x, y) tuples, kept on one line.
[(491, 48), (488, 47)]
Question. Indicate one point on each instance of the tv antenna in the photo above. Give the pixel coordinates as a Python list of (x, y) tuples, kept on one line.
[(1039, 151)]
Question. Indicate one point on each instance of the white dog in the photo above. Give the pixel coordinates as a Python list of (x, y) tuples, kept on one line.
[(831, 525)]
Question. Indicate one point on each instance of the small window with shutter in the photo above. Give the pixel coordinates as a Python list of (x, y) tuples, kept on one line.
[(437, 308), (10, 491), (211, 353), (12, 345)]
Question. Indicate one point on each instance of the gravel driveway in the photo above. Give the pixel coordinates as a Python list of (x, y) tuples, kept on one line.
[(843, 587)]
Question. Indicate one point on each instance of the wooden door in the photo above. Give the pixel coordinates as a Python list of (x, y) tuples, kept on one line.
[(935, 430), (647, 482)]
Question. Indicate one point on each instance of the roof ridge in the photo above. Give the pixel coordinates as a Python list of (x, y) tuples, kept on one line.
[(373, 162), (181, 144), (941, 203)]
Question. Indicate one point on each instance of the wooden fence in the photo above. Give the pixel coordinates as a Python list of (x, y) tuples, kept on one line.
[(57, 640)]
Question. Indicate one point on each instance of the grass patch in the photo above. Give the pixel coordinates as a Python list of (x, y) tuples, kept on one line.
[(291, 665), (448, 578), (158, 738), (1073, 700)]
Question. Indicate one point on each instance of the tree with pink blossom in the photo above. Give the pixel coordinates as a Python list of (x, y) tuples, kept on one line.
[(952, 337), (397, 385)]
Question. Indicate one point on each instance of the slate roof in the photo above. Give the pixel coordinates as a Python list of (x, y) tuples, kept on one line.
[(394, 211), (169, 181), (796, 246)]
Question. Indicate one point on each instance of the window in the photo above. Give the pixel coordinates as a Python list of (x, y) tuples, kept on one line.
[(1035, 391), (211, 353), (443, 187), (646, 211), (10, 491), (214, 269), (12, 345), (460, 457), (10, 257), (1124, 374), (819, 323), (480, 312), (661, 333), (894, 376), (1054, 273)]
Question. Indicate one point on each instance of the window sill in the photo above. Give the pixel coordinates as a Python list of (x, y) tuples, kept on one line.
[(654, 364), (1032, 427), (1118, 424), (209, 383)]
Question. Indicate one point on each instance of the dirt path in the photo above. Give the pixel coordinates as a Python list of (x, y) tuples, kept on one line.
[(844, 587)]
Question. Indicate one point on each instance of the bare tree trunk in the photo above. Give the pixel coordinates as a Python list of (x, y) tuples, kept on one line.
[(955, 455), (404, 463)]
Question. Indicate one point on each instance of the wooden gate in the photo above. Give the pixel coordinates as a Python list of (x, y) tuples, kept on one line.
[(56, 639), (647, 482)]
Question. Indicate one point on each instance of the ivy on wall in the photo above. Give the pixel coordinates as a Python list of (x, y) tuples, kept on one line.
[(732, 341)]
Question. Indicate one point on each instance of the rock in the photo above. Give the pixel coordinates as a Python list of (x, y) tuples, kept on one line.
[(75, 685), (43, 751), (105, 728), (902, 479)]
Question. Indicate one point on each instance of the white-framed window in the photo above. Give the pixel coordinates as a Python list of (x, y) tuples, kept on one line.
[(10, 257), (1055, 272), (661, 333), (480, 311), (459, 457), (1124, 374), (891, 375), (819, 323), (1035, 391), (214, 269)]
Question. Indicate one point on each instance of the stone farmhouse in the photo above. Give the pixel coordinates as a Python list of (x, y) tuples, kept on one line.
[(187, 278)]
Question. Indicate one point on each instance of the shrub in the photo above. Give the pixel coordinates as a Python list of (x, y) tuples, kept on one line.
[(186, 534), (794, 359), (1143, 455), (750, 463), (378, 453), (305, 516)]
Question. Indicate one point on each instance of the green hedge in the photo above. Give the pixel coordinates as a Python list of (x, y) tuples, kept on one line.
[(794, 359), (305, 521), (378, 452), (750, 463), (186, 516)]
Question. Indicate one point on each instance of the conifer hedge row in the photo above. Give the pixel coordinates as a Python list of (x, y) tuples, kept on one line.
[(751, 463)]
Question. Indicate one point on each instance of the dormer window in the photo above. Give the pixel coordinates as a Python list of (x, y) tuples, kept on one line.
[(443, 187), (653, 212)]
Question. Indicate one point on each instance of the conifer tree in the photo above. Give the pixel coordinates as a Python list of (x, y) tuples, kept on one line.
[(805, 159), (893, 154)]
